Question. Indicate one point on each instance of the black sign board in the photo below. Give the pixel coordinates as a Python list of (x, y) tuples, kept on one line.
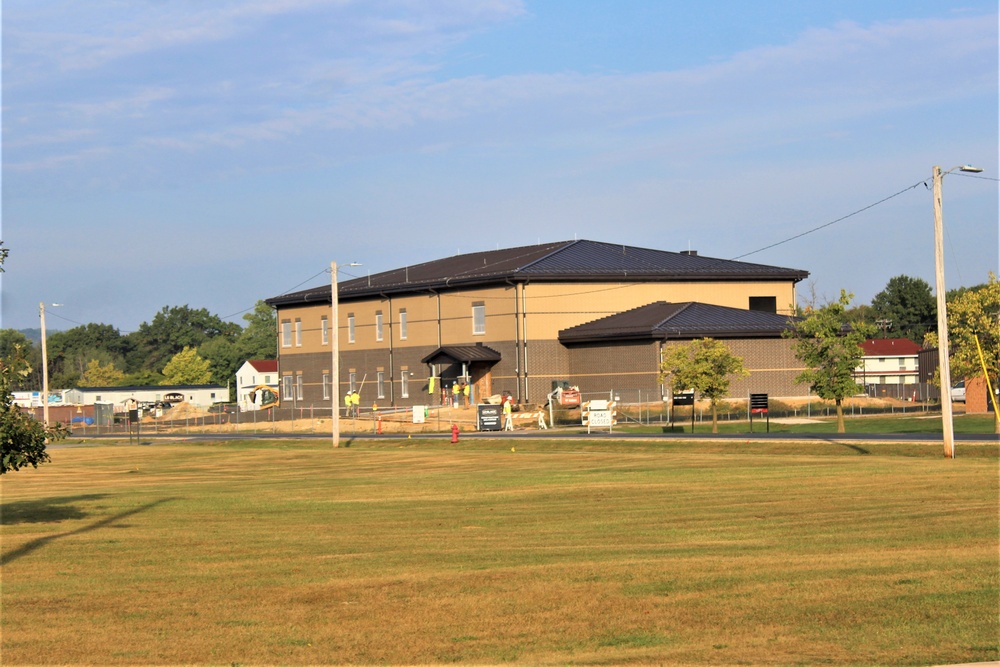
[(684, 399), (758, 403), (490, 417)]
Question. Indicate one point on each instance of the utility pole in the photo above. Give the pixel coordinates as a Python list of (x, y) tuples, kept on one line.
[(334, 345), (335, 353), (45, 368), (947, 420)]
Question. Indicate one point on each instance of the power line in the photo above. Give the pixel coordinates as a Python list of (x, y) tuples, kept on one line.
[(832, 222)]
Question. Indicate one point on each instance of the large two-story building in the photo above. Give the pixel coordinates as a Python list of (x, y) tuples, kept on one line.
[(595, 315)]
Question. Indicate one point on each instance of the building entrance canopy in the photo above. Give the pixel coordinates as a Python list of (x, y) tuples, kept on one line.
[(462, 354)]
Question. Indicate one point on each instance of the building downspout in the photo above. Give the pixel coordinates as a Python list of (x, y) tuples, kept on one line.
[(524, 334), (392, 367), (517, 343)]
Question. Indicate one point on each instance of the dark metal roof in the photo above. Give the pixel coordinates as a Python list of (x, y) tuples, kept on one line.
[(461, 354), (683, 321), (548, 262)]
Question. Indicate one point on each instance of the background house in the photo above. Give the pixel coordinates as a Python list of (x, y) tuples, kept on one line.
[(250, 377), (890, 368), (199, 395)]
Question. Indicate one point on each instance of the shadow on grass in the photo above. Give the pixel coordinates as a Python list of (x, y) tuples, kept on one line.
[(859, 450), (36, 544), (45, 510)]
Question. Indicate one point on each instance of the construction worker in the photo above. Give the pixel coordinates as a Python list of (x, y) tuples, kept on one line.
[(356, 403), (456, 390), (348, 404), (508, 420), (465, 393)]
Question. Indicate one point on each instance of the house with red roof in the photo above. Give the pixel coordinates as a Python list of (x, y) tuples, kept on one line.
[(250, 377), (889, 368)]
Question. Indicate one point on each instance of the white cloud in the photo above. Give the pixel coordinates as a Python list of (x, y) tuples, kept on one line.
[(825, 75)]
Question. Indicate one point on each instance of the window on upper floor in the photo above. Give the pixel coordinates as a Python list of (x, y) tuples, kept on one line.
[(402, 324), (298, 333), (286, 333), (324, 325), (764, 304), (478, 319), (350, 327), (378, 325)]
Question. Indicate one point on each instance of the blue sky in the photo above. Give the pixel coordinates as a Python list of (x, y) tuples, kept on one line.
[(213, 154)]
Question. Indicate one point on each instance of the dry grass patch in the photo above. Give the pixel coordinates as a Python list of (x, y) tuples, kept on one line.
[(403, 554)]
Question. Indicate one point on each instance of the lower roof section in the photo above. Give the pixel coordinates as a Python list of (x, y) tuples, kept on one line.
[(661, 321)]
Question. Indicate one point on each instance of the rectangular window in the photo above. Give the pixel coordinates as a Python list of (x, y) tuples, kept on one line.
[(378, 325), (353, 381), (298, 387), (286, 388), (764, 304), (478, 319), (380, 384), (404, 383), (350, 327), (286, 334), (402, 324), (298, 333), (324, 325), (326, 386)]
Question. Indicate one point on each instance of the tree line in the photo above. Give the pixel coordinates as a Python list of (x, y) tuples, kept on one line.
[(180, 345)]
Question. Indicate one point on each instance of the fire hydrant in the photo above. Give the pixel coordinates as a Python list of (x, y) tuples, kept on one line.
[(454, 432)]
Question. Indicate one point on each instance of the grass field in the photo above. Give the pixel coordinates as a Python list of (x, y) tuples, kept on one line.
[(589, 552)]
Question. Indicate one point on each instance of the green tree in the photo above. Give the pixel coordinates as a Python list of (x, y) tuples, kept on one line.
[(98, 375), (259, 338), (11, 341), (224, 360), (71, 351), (705, 365), (171, 330), (974, 316), (22, 437), (905, 308), (831, 349), (187, 367)]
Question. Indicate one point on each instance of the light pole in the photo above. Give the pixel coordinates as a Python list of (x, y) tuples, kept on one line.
[(947, 422), (45, 366), (335, 354)]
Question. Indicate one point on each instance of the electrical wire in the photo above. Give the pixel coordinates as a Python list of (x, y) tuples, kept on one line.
[(861, 210), (832, 222)]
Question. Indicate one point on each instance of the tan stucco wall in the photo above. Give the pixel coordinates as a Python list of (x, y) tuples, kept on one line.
[(536, 312)]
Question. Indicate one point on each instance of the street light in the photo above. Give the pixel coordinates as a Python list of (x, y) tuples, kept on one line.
[(947, 422), (45, 365), (335, 353)]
